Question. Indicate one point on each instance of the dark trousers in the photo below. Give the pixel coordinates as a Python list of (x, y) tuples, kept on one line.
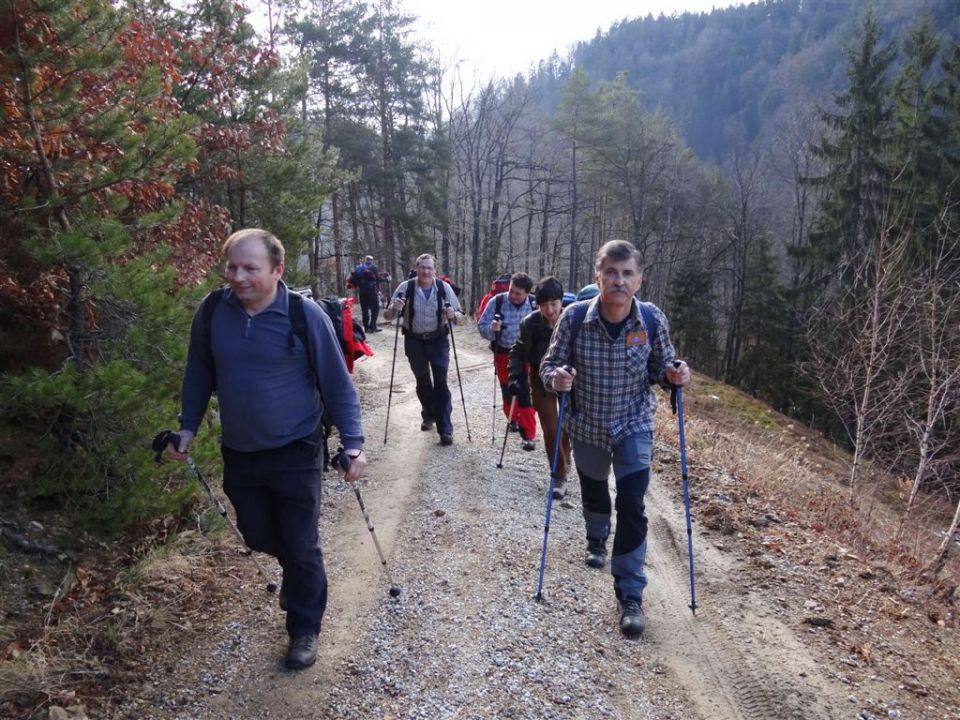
[(276, 494), (630, 458), (369, 308), (431, 357)]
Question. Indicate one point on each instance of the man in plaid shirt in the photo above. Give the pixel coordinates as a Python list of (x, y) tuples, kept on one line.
[(615, 358)]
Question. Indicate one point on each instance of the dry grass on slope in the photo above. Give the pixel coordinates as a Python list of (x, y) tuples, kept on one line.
[(775, 493)]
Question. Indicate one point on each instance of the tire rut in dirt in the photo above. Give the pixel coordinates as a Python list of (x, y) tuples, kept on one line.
[(731, 658)]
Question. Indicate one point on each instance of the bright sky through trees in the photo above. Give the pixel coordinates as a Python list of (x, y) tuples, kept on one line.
[(504, 37)]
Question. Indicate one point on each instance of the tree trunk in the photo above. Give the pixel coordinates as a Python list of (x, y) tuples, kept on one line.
[(337, 244), (572, 276)]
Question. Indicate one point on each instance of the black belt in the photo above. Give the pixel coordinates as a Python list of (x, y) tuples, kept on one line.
[(428, 337)]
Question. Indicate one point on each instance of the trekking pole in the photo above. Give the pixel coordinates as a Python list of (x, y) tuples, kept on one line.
[(496, 381), (506, 431), (456, 361), (553, 475), (342, 460), (160, 442), (676, 401), (393, 367)]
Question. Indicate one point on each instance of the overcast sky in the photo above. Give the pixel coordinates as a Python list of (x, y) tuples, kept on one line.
[(503, 37)]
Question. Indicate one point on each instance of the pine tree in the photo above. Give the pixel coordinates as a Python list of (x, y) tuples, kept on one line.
[(692, 323), (855, 187)]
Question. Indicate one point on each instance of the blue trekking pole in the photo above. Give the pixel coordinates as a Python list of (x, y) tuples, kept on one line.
[(553, 476), (676, 401)]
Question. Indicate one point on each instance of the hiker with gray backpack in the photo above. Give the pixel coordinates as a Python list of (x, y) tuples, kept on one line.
[(276, 365), (617, 348)]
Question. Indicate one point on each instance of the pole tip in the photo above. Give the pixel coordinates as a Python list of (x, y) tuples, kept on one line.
[(394, 591)]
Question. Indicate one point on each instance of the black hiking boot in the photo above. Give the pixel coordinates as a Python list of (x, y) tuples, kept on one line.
[(529, 445), (514, 427), (426, 425), (283, 598), (446, 439), (302, 652), (631, 619), (596, 553)]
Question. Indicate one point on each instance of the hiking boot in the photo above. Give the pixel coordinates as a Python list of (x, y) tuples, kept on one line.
[(559, 488), (426, 425), (302, 652), (529, 445), (631, 619), (514, 427), (446, 439), (283, 598), (596, 554)]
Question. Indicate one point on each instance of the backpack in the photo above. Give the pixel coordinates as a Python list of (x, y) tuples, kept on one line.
[(352, 344), (453, 286), (350, 332), (500, 284)]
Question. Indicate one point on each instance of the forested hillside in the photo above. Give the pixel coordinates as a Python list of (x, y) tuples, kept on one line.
[(789, 171), (726, 77)]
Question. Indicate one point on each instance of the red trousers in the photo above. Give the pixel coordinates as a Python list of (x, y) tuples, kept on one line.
[(523, 414)]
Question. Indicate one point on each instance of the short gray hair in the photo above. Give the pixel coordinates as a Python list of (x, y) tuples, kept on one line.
[(618, 251)]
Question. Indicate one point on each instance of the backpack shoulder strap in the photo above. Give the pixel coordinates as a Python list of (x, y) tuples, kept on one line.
[(649, 321), (498, 306), (207, 307), (408, 303), (579, 314), (298, 319), (441, 299)]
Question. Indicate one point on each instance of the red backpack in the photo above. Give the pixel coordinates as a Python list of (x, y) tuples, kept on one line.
[(500, 284)]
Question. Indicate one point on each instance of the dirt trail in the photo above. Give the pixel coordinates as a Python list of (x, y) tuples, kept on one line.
[(465, 639)]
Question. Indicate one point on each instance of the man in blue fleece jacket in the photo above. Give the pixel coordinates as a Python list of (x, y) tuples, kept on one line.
[(272, 393)]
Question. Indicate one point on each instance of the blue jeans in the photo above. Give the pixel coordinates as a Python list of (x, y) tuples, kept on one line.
[(426, 358), (276, 494), (631, 467)]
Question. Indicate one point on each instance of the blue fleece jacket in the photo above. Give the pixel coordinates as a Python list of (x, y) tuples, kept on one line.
[(269, 395)]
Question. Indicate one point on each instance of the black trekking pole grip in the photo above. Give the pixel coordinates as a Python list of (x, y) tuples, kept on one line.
[(673, 389), (160, 442)]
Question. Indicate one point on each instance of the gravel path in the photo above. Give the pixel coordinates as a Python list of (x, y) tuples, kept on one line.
[(466, 639)]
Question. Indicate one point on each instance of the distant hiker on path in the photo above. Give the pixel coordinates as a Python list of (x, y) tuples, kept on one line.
[(523, 368), (273, 390), (500, 324), (366, 277), (425, 305), (618, 347)]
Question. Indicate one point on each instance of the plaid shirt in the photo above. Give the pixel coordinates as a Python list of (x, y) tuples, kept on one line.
[(611, 391), (512, 315)]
